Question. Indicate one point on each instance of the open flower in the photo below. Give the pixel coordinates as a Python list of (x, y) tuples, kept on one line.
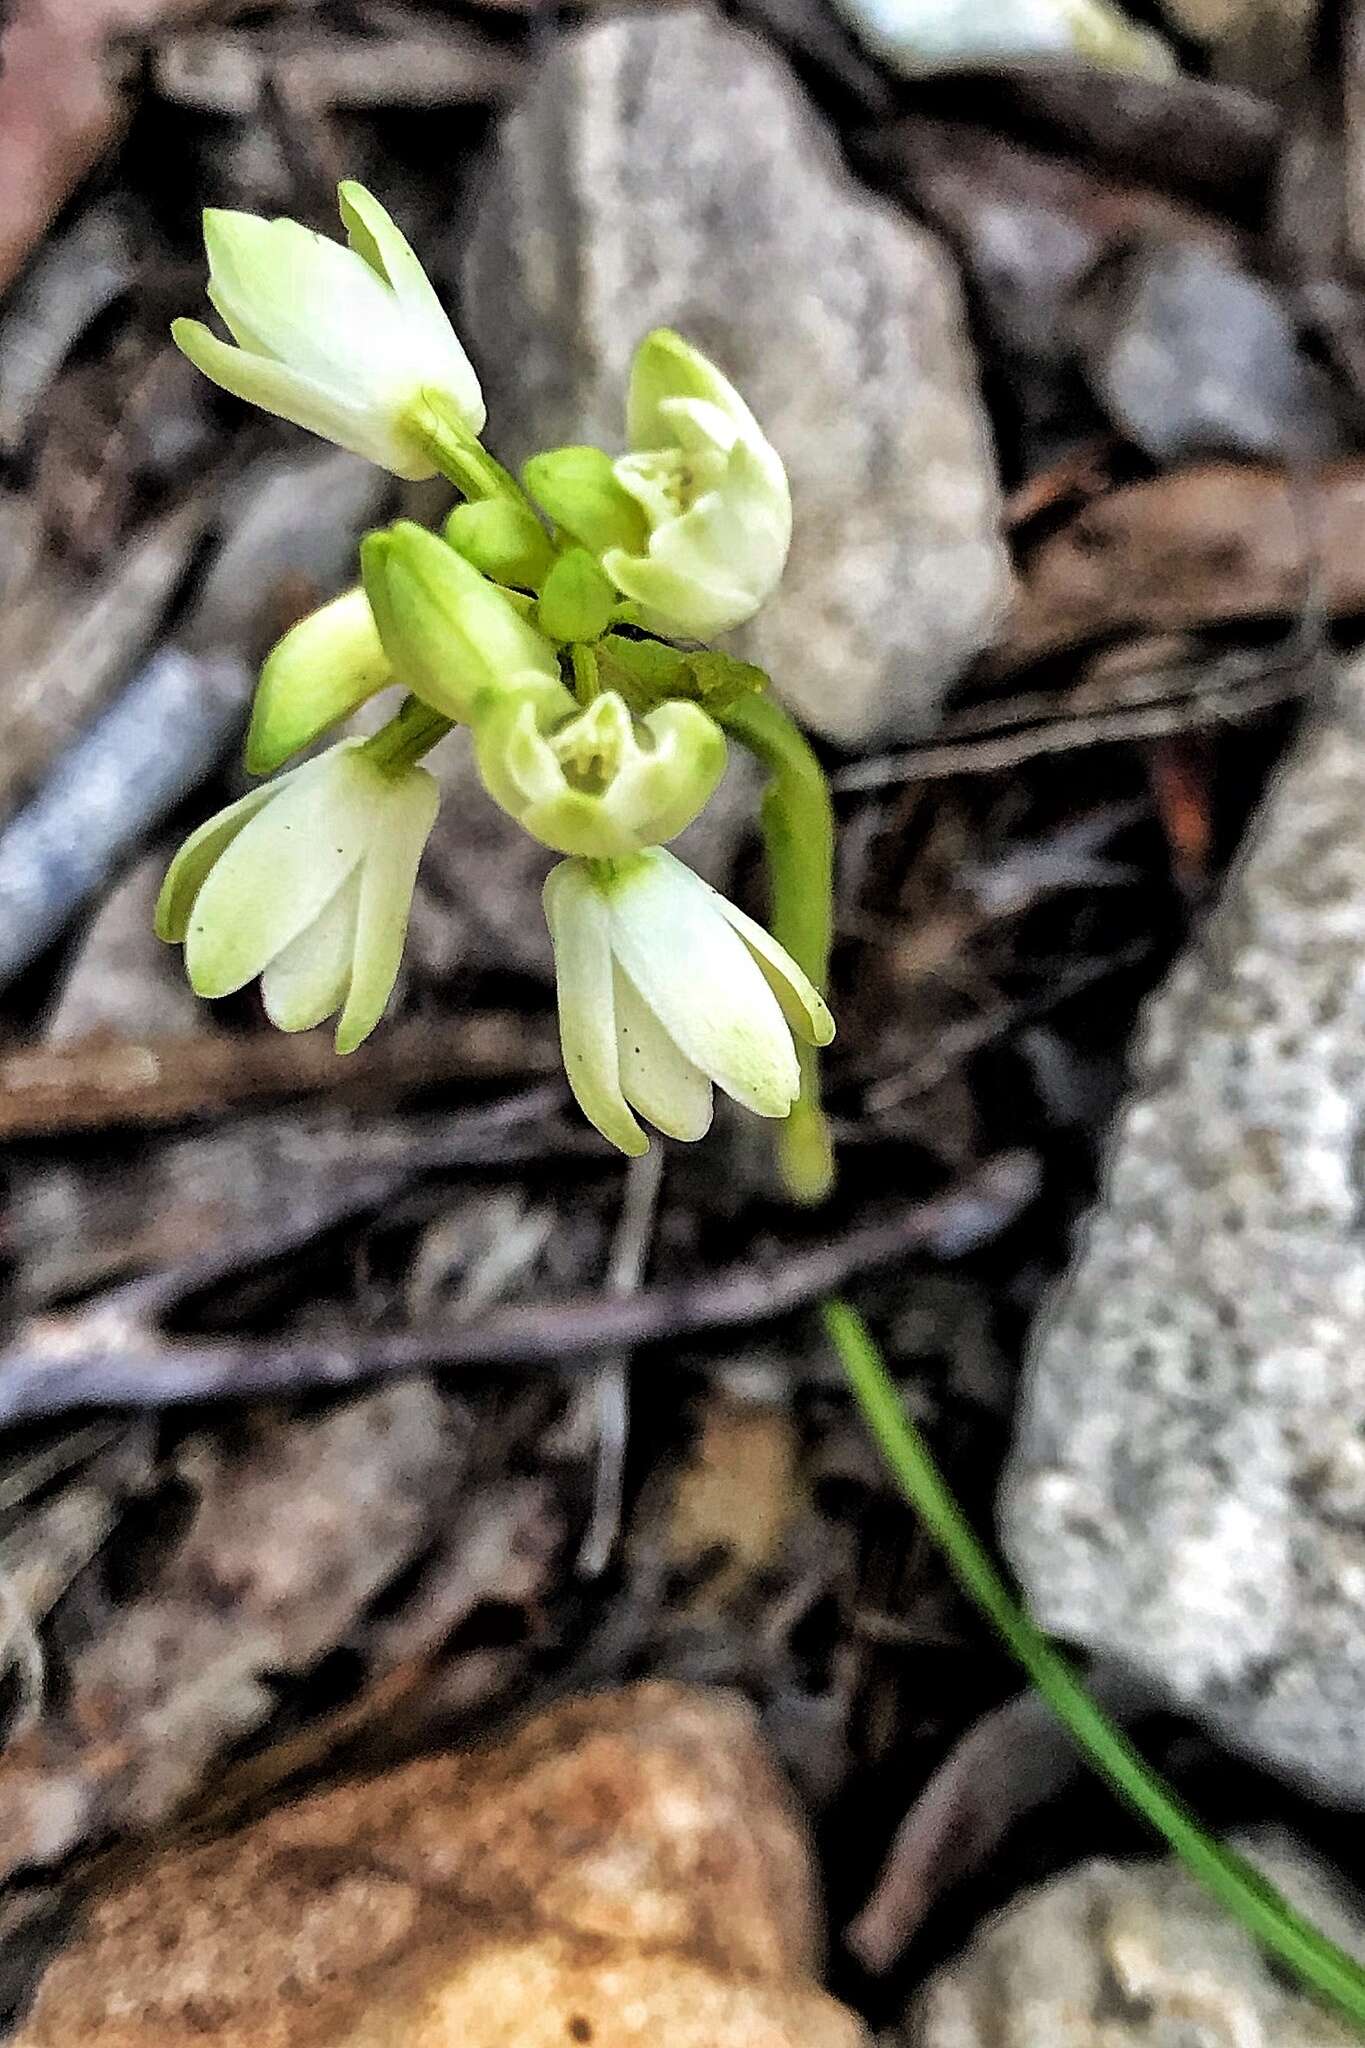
[(712, 490), (599, 782), (349, 342), (665, 989), (307, 882), (456, 639)]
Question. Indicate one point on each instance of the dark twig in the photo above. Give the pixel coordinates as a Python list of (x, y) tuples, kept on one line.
[(109, 1355)]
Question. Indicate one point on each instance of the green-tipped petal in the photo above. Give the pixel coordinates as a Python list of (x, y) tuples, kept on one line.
[(580, 933), (321, 671), (803, 1006), (278, 875), (309, 979), (702, 983), (186, 874), (656, 1078), (667, 367), (386, 886), (373, 235), (290, 395)]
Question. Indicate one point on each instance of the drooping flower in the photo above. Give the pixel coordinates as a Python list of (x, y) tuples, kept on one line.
[(695, 523), (599, 782), (307, 882), (350, 342), (664, 989), (455, 638)]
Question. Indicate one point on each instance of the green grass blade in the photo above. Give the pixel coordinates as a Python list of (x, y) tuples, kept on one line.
[(1324, 1968)]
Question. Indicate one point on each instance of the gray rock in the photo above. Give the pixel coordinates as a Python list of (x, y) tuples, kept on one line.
[(1114, 1955), (664, 169), (1187, 1489), (1193, 355)]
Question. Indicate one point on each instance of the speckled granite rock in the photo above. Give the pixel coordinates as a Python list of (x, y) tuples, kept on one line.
[(1187, 1490), (1114, 1955), (666, 169), (625, 1872)]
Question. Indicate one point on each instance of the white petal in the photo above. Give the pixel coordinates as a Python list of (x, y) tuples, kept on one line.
[(290, 293), (580, 932), (702, 983), (278, 874), (186, 874), (386, 884), (803, 1006), (375, 235), (367, 431), (657, 1079), (309, 979)]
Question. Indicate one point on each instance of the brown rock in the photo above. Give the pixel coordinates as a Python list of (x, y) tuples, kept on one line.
[(625, 1870)]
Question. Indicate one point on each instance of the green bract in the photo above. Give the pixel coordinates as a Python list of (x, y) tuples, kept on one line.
[(600, 783), (452, 636), (343, 341), (306, 882), (664, 989), (713, 493), (322, 670)]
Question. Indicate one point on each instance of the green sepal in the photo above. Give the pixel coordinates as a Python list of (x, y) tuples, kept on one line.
[(578, 599), (646, 672), (504, 540), (579, 490)]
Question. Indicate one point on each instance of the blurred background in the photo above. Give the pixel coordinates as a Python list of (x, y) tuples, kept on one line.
[(354, 1408)]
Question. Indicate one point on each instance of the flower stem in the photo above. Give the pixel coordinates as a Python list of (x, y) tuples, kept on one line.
[(413, 731), (1292, 1940), (459, 454), (797, 822), (587, 680)]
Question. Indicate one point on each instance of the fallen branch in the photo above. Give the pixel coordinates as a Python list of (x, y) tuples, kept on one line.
[(112, 1355), (95, 1083)]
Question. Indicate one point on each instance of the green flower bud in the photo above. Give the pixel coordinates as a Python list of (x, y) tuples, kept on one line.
[(451, 635), (343, 341), (307, 882), (579, 490), (599, 782), (666, 989), (578, 599), (503, 540), (322, 670)]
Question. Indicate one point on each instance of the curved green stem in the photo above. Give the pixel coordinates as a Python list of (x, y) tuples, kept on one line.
[(1326, 1969), (797, 822)]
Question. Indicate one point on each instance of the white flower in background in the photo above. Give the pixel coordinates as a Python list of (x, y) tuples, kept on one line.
[(306, 882), (455, 639), (694, 524), (347, 342), (323, 669), (923, 36), (600, 782), (664, 989)]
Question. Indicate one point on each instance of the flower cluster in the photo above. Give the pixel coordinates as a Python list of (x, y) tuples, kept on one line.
[(545, 618)]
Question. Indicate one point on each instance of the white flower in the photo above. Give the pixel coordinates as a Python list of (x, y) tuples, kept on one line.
[(343, 341), (713, 492), (600, 782), (665, 988), (307, 882)]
